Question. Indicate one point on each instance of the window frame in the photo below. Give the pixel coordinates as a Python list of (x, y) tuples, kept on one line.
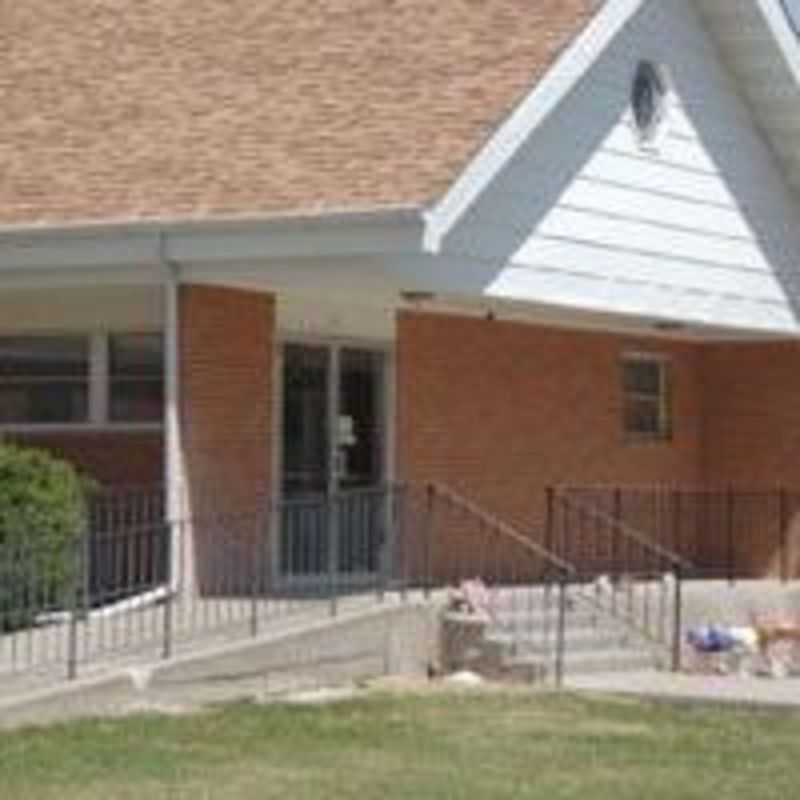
[(663, 399), (99, 384)]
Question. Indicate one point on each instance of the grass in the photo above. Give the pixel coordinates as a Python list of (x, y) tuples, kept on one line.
[(428, 746)]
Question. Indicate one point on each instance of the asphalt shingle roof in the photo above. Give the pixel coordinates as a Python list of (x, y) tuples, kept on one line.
[(115, 109)]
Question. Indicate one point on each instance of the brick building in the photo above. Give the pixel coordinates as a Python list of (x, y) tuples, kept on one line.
[(255, 251)]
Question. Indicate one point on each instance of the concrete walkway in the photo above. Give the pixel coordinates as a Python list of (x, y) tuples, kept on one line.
[(749, 692), (363, 642)]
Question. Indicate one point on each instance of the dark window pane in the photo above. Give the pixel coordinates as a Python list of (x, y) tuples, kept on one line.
[(136, 367), (360, 425), (643, 377), (136, 355), (642, 417), (47, 402), (44, 379), (305, 420), (44, 357), (136, 401)]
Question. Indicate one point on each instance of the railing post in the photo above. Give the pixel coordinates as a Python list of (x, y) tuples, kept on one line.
[(783, 522), (385, 498), (166, 649), (257, 581), (561, 631), (333, 551), (677, 539), (677, 625), (78, 600), (401, 542), (429, 534), (729, 533), (169, 600), (549, 529), (615, 543)]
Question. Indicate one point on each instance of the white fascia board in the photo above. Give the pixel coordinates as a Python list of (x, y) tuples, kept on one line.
[(535, 108), (53, 249), (354, 237), (786, 38), (100, 252)]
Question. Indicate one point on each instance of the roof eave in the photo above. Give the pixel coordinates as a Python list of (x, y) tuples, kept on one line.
[(213, 240)]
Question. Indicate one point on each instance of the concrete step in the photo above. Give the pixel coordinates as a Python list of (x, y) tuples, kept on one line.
[(589, 663), (576, 639), (583, 618), (609, 660), (530, 599)]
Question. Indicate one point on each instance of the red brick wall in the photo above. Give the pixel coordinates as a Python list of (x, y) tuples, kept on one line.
[(752, 406), (113, 458), (500, 410), (226, 366), (226, 370)]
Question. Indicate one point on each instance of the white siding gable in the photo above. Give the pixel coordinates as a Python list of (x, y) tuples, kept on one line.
[(699, 228)]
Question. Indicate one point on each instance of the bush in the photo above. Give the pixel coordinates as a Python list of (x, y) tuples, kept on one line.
[(43, 514)]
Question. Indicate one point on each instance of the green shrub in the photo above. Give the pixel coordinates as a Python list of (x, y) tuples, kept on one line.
[(43, 513)]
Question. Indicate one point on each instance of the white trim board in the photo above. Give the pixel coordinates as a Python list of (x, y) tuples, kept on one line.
[(784, 36), (146, 246), (328, 317), (79, 310)]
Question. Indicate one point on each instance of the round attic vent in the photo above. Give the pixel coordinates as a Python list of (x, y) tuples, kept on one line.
[(648, 101)]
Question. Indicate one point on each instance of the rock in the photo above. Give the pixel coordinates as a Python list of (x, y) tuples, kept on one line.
[(465, 679)]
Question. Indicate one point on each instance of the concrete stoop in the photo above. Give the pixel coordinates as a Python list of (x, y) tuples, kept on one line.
[(388, 639)]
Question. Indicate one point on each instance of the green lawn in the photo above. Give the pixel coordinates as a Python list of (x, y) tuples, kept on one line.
[(436, 746)]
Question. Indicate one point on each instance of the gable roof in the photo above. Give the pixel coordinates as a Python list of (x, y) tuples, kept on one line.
[(165, 108)]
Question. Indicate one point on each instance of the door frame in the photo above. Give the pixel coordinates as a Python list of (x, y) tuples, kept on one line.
[(334, 344)]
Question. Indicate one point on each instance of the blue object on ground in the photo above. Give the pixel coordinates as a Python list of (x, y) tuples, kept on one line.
[(711, 639)]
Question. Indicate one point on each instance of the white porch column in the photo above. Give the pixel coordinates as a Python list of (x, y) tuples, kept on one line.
[(178, 512)]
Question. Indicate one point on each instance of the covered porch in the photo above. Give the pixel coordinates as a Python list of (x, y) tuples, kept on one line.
[(324, 448), (238, 372)]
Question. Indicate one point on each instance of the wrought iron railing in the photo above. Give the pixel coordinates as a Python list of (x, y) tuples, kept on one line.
[(139, 585), (626, 573), (731, 533), (528, 586)]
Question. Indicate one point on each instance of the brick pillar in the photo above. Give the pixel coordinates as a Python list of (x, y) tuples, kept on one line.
[(226, 344)]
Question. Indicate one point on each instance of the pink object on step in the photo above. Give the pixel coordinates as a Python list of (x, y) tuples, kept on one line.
[(476, 597)]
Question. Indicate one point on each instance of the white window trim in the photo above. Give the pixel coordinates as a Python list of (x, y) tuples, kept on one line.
[(98, 379), (99, 419)]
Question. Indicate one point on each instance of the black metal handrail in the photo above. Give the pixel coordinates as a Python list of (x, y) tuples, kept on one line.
[(732, 532), (674, 560), (562, 566), (628, 558), (512, 565)]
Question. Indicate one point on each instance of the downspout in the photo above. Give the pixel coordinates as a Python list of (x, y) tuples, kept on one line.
[(177, 506)]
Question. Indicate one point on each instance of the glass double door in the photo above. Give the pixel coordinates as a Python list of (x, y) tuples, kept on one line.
[(334, 435)]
